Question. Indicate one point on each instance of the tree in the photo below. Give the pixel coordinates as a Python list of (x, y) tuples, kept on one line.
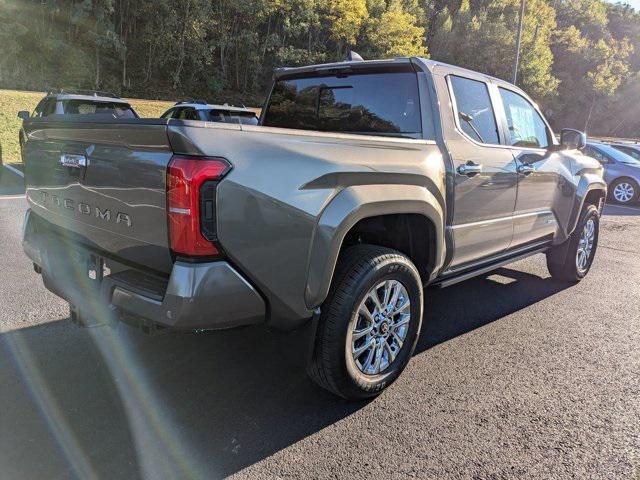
[(580, 58), (343, 19), (482, 37), (394, 33)]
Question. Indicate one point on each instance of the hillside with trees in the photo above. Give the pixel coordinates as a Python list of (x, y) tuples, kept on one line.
[(580, 59)]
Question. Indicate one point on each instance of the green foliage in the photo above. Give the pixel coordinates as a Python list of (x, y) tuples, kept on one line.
[(394, 33), (344, 19), (578, 57), (481, 36)]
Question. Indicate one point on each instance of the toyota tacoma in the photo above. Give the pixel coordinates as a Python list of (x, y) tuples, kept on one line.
[(364, 183)]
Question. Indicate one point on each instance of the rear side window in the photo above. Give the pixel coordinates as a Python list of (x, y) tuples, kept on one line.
[(526, 127), (629, 151), (225, 116), (375, 103), (475, 111), (190, 114), (84, 107)]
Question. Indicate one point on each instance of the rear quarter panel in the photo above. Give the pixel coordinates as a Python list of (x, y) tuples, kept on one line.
[(271, 204)]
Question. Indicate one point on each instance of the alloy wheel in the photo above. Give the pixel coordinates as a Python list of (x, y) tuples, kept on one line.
[(379, 327), (623, 192), (585, 245)]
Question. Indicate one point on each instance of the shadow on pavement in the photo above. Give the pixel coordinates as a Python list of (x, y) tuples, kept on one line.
[(459, 309), (117, 404)]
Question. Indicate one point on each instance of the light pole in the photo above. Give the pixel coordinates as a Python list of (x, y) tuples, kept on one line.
[(518, 41)]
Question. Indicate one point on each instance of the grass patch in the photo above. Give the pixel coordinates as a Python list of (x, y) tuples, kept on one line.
[(12, 101)]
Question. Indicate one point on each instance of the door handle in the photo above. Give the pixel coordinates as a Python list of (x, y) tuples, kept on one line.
[(470, 169), (526, 169)]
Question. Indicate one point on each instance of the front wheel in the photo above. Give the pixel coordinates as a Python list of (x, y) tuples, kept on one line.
[(369, 323), (571, 261)]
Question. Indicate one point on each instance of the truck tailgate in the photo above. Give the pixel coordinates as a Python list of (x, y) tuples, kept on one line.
[(105, 182)]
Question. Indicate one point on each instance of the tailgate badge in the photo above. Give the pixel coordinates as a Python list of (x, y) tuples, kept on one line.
[(73, 161)]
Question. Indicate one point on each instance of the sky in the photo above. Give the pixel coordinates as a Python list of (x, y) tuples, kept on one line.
[(634, 3)]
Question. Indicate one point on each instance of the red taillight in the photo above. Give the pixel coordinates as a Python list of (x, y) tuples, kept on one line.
[(185, 177)]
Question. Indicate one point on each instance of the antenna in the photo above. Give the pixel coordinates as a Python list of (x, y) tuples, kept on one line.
[(353, 57)]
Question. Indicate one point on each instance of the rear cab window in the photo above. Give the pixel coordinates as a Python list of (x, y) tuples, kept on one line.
[(375, 103)]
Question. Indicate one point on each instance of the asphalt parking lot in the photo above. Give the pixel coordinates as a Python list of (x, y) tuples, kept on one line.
[(515, 376)]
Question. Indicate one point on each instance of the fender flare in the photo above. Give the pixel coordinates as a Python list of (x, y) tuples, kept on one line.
[(350, 206), (589, 182)]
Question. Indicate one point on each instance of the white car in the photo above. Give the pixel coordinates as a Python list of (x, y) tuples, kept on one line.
[(203, 111)]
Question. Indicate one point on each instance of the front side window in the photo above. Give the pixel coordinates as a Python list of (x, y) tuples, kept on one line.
[(369, 103), (630, 151), (49, 108), (592, 152), (526, 127), (37, 112), (475, 112)]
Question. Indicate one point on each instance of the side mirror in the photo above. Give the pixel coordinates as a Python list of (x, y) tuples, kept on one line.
[(23, 114), (573, 139)]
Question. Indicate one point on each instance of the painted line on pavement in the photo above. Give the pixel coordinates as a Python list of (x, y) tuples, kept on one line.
[(12, 197), (14, 170)]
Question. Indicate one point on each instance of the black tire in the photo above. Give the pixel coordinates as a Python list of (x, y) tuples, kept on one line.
[(359, 269), (562, 259), (628, 181)]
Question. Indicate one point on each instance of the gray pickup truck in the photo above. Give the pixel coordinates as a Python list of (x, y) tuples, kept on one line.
[(365, 182)]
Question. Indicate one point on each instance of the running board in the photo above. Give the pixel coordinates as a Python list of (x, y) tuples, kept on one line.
[(470, 272)]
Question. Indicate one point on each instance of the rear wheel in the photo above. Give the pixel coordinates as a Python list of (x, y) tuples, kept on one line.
[(624, 191), (369, 323), (571, 261)]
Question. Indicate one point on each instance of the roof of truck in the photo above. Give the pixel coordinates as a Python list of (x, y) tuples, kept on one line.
[(397, 62)]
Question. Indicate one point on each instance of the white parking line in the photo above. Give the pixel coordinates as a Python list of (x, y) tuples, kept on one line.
[(12, 197), (14, 170)]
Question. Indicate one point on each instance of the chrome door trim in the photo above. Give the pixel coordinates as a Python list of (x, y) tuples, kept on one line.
[(501, 219)]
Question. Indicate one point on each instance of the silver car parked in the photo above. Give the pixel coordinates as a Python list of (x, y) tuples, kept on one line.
[(621, 172)]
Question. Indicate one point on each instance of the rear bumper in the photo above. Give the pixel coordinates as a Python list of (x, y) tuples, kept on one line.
[(211, 295)]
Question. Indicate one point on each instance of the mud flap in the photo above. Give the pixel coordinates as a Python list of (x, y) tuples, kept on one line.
[(313, 333)]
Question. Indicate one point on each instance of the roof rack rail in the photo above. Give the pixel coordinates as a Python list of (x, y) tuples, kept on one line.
[(191, 100), (80, 91)]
